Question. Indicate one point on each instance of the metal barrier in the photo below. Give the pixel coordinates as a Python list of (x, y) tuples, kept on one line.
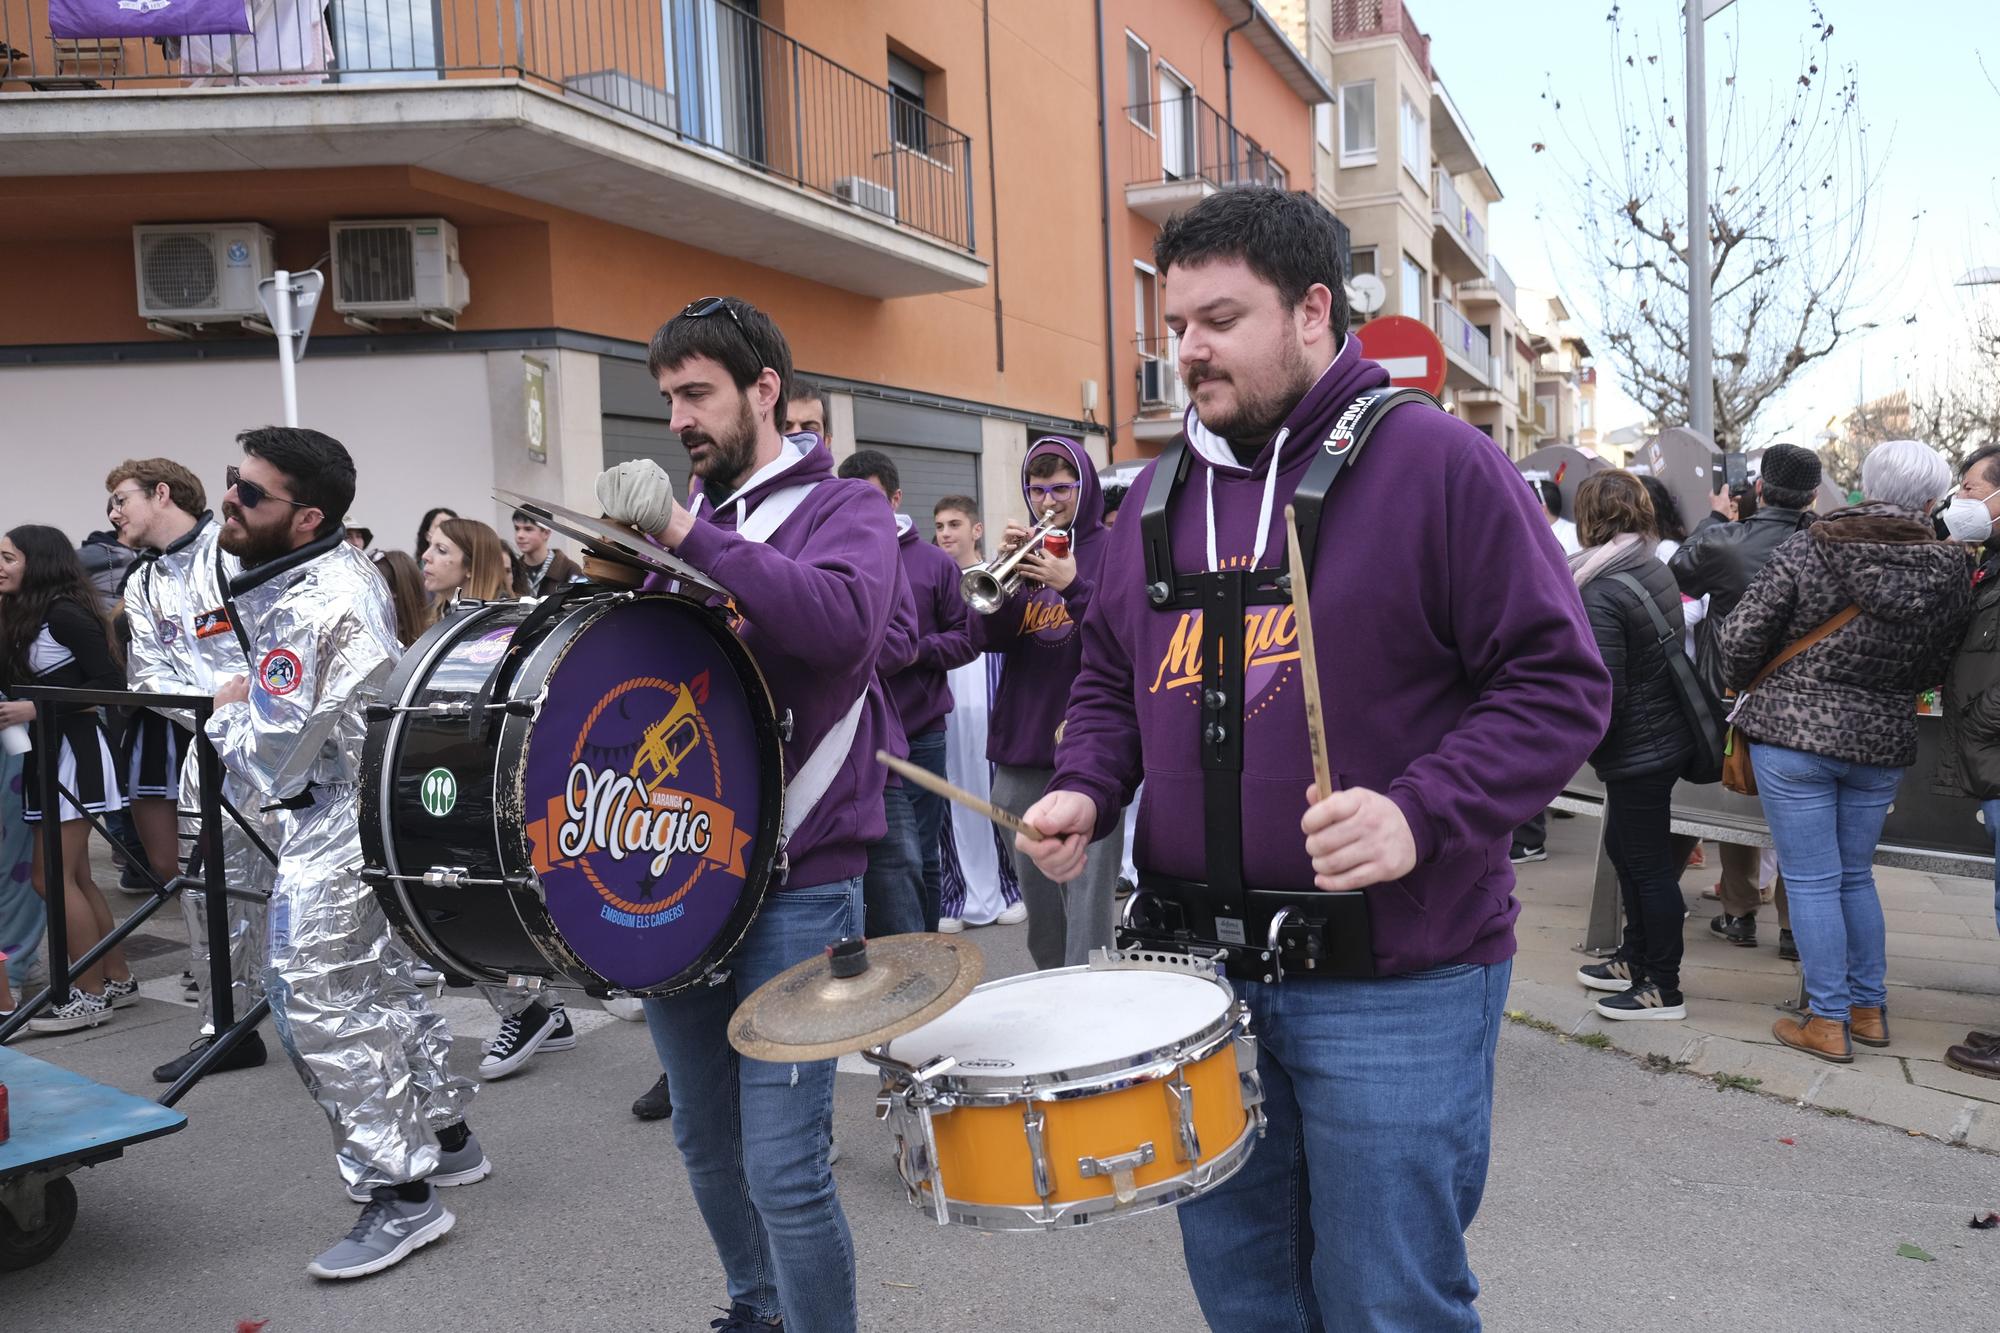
[(702, 71), (205, 868)]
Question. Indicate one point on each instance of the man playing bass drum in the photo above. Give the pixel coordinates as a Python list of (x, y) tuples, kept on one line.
[(1461, 689)]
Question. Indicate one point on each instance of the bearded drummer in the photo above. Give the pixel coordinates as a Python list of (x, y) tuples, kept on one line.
[(1461, 690), (812, 569)]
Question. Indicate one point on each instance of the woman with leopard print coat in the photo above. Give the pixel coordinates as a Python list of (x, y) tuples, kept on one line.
[(1833, 729)]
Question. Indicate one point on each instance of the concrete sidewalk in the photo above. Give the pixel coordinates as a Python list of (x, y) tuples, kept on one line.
[(1944, 978)]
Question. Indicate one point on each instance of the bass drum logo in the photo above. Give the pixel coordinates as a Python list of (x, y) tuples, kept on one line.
[(439, 792)]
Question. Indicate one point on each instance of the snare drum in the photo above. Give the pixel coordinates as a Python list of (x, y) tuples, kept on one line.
[(1058, 1098), (586, 789)]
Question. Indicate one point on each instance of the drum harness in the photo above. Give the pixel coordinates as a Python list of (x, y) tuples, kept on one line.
[(1258, 933)]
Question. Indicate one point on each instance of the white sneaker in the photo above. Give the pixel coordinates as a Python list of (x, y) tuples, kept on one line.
[(1013, 916), (429, 977), (83, 1010), (832, 1151), (628, 1007), (950, 925)]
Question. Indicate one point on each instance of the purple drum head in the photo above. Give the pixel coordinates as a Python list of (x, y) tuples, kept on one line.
[(643, 791)]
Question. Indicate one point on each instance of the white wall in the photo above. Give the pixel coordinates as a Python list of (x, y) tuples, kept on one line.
[(420, 429)]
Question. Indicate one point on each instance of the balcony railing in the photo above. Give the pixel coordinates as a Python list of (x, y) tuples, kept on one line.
[(701, 71), (1354, 20), (1186, 139), (1450, 206), (1465, 340), (1160, 386)]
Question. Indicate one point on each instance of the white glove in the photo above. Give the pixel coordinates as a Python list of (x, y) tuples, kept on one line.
[(637, 492)]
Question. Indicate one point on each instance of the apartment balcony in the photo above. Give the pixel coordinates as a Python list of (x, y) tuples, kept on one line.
[(1459, 242), (687, 118), (1162, 395), (1181, 150), (1358, 20), (1496, 288), (1468, 355)]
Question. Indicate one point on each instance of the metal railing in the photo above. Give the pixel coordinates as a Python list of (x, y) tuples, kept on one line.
[(1497, 284), (1465, 340), (1185, 139), (1354, 20), (1449, 208), (702, 71), (1161, 388)]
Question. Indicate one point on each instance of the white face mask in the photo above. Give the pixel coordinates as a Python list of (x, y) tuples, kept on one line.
[(1968, 520)]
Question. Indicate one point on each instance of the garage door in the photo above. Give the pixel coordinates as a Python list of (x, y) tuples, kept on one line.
[(626, 438), (927, 476), (936, 452)]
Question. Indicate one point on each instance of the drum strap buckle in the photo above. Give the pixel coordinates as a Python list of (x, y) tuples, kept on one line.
[(1121, 1168)]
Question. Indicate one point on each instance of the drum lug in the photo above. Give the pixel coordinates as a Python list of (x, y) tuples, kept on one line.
[(1120, 1168), (1186, 1141), (1034, 1122), (785, 725)]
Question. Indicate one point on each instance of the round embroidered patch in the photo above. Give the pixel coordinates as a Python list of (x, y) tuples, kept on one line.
[(167, 630), (280, 671)]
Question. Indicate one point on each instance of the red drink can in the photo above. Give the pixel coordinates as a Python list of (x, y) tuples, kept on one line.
[(1056, 543)]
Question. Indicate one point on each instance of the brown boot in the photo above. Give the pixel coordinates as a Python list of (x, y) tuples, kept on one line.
[(1816, 1036), (1869, 1024)]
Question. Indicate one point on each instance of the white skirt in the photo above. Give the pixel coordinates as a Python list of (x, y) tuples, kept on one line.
[(94, 781)]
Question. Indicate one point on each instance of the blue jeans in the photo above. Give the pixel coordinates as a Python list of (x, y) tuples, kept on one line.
[(754, 1135), (892, 891), (1351, 1214), (930, 811), (1826, 816), (1992, 809)]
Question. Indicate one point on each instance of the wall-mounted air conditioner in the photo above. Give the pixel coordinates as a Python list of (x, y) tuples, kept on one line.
[(871, 195), (405, 268), (201, 272), (1157, 384)]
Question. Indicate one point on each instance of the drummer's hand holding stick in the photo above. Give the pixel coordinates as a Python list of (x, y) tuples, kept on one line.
[(1066, 820), (639, 494)]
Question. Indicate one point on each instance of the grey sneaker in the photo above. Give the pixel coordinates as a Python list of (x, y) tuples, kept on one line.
[(465, 1167), (389, 1231)]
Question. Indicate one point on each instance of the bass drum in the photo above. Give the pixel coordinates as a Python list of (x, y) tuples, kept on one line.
[(587, 789)]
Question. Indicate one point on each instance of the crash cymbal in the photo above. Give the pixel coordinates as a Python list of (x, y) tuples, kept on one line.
[(611, 542), (854, 996)]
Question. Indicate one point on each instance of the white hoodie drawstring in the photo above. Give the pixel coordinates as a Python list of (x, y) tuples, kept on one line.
[(1263, 510)]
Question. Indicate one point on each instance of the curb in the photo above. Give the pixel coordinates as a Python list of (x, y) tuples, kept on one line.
[(1799, 1079)]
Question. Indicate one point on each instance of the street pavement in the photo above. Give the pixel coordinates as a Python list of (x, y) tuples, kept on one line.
[(1619, 1197)]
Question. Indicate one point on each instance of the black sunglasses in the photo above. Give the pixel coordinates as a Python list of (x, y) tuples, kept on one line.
[(250, 493), (719, 305)]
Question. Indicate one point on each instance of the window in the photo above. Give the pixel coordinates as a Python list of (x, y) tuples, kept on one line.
[(1586, 414), (1416, 147), (1357, 124), (1138, 83), (907, 121), (1413, 288), (1145, 306), (1177, 155), (1323, 126), (1362, 260), (1277, 173)]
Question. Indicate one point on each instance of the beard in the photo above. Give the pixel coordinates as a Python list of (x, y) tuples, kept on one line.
[(1258, 411), (730, 454), (251, 545)]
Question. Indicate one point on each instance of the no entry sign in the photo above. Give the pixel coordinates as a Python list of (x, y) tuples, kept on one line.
[(1407, 349)]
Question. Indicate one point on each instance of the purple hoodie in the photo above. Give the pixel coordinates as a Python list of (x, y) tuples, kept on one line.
[(1458, 676), (816, 600), (1037, 630), (920, 691)]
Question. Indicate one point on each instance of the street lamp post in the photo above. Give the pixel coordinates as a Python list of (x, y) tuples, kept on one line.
[(1701, 371)]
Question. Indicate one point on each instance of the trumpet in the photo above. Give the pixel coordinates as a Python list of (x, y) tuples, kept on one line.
[(987, 587)]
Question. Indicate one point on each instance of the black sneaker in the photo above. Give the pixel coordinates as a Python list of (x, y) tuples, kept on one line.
[(246, 1054), (1644, 1000), (1520, 855), (1613, 974), (740, 1318), (654, 1103), (533, 1029), (1787, 950), (1738, 930)]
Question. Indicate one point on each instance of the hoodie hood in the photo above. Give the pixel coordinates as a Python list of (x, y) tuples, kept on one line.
[(802, 460), (906, 530), (1090, 496), (1888, 559)]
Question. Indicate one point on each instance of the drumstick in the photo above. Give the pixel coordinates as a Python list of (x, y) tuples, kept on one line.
[(936, 785), (1308, 659)]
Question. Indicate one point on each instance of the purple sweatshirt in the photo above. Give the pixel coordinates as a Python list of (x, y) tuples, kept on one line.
[(1458, 676), (920, 691), (1036, 632), (816, 598)]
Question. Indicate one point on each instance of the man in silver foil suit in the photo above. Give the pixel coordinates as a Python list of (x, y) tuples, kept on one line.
[(321, 641), (184, 642)]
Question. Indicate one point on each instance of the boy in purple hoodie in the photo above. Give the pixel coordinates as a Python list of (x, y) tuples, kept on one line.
[(1461, 688), (1041, 649), (813, 573)]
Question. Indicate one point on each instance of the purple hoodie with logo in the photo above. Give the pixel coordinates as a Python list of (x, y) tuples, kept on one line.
[(920, 691), (1457, 673), (816, 599), (1037, 630)]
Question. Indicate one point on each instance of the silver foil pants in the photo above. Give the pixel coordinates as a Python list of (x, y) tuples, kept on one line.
[(244, 869)]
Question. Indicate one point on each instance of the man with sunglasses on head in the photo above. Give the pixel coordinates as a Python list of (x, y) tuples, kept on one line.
[(184, 642), (320, 636), (812, 569)]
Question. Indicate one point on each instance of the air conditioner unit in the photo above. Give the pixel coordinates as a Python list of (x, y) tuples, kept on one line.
[(406, 268), (201, 272), (1157, 383), (871, 195)]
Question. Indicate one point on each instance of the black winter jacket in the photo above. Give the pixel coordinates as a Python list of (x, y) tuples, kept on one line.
[(1649, 730), (1969, 759), (1852, 696)]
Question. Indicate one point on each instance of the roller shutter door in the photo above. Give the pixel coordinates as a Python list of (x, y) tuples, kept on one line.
[(627, 438), (927, 476)]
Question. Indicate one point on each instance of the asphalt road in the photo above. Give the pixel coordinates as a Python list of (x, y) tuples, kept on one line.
[(1619, 1198)]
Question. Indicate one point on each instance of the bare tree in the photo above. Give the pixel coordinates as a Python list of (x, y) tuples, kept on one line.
[(1787, 224)]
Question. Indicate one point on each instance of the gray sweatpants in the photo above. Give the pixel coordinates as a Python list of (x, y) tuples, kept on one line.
[(1065, 921)]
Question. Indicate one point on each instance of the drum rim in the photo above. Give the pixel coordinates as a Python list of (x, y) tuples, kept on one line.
[(510, 769)]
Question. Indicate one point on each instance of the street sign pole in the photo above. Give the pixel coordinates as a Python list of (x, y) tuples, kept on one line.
[(281, 324), (290, 303), (1701, 301)]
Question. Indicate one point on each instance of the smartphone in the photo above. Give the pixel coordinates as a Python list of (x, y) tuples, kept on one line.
[(1736, 472)]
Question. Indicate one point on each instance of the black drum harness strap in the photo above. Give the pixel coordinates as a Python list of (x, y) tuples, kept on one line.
[(1260, 934)]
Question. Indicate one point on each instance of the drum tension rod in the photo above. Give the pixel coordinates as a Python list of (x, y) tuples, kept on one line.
[(446, 710), (445, 877)]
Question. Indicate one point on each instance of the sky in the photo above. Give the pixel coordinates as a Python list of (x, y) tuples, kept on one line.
[(1931, 111)]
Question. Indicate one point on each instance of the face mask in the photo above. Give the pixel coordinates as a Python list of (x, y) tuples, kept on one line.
[(1966, 520)]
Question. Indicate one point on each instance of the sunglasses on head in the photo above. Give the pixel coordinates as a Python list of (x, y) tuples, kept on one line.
[(250, 493)]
